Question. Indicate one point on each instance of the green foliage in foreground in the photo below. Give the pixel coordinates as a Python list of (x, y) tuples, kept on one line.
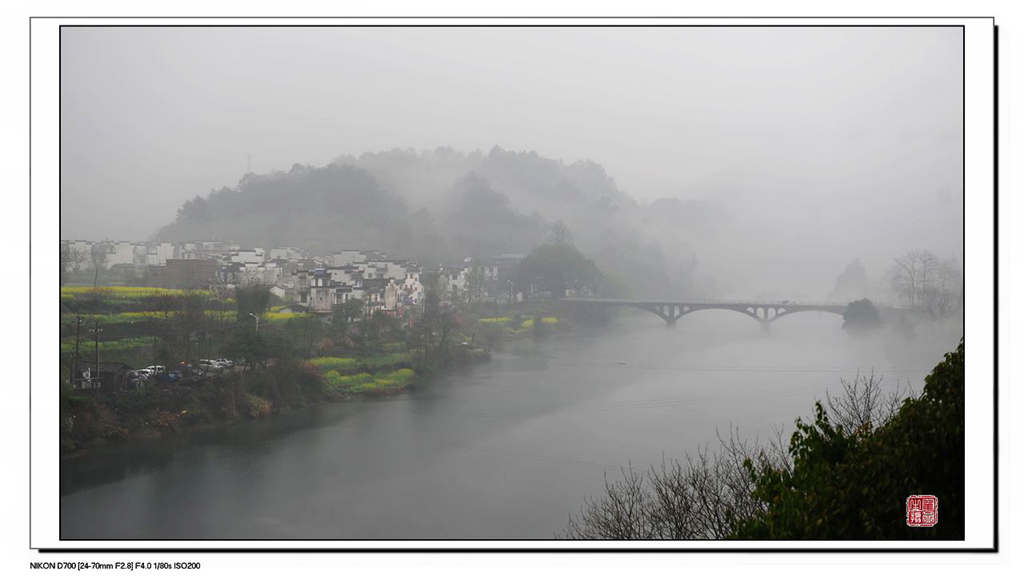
[(852, 483)]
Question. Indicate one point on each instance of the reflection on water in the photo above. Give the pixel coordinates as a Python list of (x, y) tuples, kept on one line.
[(506, 449)]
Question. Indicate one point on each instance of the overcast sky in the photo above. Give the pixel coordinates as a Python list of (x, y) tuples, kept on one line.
[(818, 125)]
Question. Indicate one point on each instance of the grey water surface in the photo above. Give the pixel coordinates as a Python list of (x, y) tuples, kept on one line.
[(503, 450)]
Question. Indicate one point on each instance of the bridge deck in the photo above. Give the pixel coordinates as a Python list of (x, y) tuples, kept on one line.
[(671, 310), (706, 303)]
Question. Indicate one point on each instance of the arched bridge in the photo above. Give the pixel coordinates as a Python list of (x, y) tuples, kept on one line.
[(670, 311)]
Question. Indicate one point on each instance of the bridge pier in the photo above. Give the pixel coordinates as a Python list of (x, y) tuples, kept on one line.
[(674, 313), (670, 313)]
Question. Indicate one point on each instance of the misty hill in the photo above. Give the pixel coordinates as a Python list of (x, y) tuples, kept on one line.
[(443, 205), (319, 208)]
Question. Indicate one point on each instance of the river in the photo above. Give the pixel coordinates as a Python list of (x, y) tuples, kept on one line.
[(504, 450)]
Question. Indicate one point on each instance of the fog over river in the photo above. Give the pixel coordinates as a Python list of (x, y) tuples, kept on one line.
[(505, 449)]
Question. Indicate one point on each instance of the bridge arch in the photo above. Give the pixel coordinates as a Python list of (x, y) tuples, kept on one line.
[(763, 312), (749, 311), (820, 310)]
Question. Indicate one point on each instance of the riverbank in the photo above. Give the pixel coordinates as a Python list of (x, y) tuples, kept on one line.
[(92, 420), (303, 360)]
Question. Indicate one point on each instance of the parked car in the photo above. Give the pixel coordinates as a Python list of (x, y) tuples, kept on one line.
[(156, 369), (209, 365), (224, 362)]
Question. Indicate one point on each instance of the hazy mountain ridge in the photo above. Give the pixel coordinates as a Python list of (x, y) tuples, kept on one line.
[(444, 205)]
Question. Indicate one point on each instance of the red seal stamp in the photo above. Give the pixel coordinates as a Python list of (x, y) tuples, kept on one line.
[(922, 510)]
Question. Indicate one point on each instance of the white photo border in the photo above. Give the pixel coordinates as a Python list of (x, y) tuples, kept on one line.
[(981, 525)]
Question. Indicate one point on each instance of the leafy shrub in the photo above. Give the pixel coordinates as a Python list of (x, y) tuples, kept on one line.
[(851, 485), (387, 360), (364, 382), (278, 316), (837, 481), (396, 379), (256, 407), (336, 381), (333, 363), (501, 320), (861, 315)]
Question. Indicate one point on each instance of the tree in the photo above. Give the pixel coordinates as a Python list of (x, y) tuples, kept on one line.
[(946, 295), (190, 323), (305, 332), (70, 258), (251, 299), (863, 403), (342, 317), (475, 281), (849, 480), (481, 221), (861, 316), (926, 283), (196, 210), (851, 283), (557, 267), (560, 234), (844, 476), (248, 347), (97, 260), (374, 330), (700, 498), (431, 334), (909, 273)]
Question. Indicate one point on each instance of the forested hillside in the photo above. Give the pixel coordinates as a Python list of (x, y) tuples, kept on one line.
[(444, 205)]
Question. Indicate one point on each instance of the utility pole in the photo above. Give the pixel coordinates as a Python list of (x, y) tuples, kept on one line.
[(96, 348), (77, 356)]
